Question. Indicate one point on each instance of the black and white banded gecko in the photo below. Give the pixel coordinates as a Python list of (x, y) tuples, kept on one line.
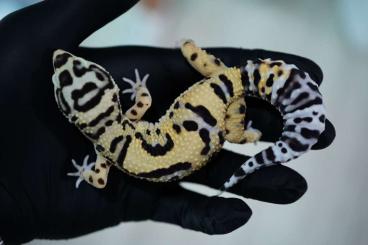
[(196, 124)]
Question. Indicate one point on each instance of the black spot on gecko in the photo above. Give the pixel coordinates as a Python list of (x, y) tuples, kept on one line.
[(301, 74), (114, 143), (290, 128), (78, 69), (203, 112), (140, 104), (124, 150), (61, 60), (118, 118), (313, 87), (177, 128), (228, 84), (193, 57), (134, 112), (74, 118), (300, 119), (316, 101), (101, 181), (100, 148), (279, 73), (65, 79), (102, 116), (190, 125), (269, 81), (114, 98), (144, 94), (275, 63), (245, 78), (158, 131), (239, 172), (217, 62), (157, 149), (242, 109), (205, 136), (82, 126), (256, 77), (171, 114), (302, 96), (296, 145), (180, 166), (309, 133), (176, 106), (219, 92), (322, 118), (109, 123), (97, 135), (221, 138), (283, 150), (270, 154), (99, 76), (88, 87), (259, 158)]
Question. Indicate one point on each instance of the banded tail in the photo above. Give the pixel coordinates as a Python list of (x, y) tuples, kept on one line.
[(299, 101)]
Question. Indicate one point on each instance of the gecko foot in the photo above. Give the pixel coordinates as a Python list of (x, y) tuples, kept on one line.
[(252, 134), (135, 86), (80, 169)]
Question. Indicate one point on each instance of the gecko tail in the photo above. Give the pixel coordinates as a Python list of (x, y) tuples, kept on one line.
[(304, 120)]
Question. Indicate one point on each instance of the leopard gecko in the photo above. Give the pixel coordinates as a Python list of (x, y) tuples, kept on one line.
[(196, 124)]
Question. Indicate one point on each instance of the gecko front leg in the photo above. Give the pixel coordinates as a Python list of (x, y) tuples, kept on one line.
[(141, 95), (95, 173)]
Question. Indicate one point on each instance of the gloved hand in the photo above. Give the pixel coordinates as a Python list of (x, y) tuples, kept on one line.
[(38, 200)]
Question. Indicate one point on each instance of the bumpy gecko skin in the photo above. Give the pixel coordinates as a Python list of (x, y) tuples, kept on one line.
[(196, 124)]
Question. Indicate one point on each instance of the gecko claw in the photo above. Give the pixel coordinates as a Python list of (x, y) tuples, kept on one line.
[(80, 169), (135, 86)]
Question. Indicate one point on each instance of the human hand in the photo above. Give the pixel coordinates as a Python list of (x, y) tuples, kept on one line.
[(38, 200)]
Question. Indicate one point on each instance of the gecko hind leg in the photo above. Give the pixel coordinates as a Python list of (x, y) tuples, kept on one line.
[(234, 124), (95, 173), (203, 62), (140, 94)]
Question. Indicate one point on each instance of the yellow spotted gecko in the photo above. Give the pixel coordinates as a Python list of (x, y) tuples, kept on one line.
[(196, 124)]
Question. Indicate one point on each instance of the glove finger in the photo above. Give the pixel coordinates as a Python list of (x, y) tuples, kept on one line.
[(211, 215), (64, 23), (275, 184)]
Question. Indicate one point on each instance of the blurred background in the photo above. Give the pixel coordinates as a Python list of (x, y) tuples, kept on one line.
[(333, 33)]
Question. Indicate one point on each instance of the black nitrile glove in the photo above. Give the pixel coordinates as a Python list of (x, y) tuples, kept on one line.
[(38, 199)]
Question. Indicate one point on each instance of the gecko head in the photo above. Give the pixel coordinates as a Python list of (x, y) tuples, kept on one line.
[(79, 84)]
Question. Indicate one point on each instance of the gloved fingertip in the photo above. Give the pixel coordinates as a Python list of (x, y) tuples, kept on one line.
[(225, 215), (276, 184)]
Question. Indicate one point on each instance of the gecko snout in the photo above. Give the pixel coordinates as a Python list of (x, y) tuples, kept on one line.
[(60, 57)]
